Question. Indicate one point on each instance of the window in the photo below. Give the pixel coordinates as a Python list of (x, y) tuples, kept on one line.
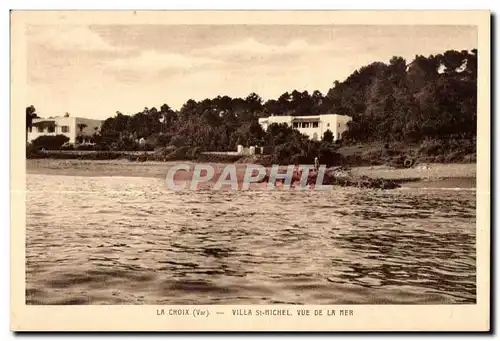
[(295, 124), (29, 129), (65, 129), (40, 129), (338, 125), (328, 124), (315, 124), (51, 129)]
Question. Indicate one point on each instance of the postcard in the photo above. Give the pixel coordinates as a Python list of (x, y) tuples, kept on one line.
[(250, 171)]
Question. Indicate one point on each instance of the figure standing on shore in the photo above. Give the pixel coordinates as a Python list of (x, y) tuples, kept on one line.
[(316, 163)]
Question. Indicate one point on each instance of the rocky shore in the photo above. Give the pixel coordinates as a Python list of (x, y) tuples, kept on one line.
[(340, 176)]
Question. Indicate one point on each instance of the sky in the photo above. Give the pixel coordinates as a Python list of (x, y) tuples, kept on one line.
[(94, 71)]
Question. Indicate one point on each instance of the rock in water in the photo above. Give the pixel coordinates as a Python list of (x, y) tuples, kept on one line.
[(341, 177)]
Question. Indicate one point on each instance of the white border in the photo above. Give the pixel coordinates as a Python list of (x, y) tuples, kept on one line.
[(148, 4)]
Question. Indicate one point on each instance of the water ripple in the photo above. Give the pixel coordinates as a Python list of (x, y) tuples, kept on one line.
[(131, 241)]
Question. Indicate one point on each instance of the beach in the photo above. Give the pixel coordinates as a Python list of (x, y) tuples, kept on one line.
[(427, 175)]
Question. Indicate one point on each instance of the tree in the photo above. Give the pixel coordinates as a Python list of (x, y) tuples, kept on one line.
[(30, 115), (328, 136), (81, 126), (431, 97), (317, 101), (253, 102), (167, 117)]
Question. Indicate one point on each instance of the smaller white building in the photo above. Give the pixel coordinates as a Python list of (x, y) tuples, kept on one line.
[(72, 127), (312, 126)]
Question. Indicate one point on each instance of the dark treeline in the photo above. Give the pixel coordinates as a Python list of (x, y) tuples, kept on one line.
[(433, 97), (429, 98), (212, 124)]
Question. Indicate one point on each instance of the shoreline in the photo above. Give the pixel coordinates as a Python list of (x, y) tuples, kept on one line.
[(427, 175)]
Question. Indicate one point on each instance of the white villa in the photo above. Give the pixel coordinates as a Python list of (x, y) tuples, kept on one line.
[(312, 126), (72, 127)]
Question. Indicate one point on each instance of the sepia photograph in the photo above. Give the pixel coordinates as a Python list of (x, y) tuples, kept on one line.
[(263, 165)]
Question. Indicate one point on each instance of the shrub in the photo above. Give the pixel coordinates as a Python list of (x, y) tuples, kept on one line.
[(267, 150), (67, 147), (469, 158), (49, 142), (286, 153), (431, 147), (162, 140), (178, 154), (329, 157), (32, 152), (328, 136), (178, 141), (85, 147), (195, 152), (218, 158)]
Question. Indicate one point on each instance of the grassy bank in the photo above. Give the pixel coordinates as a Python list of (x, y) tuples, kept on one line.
[(399, 155), (408, 155)]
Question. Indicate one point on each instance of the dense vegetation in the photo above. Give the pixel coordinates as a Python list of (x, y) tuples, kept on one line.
[(425, 109), (50, 142), (432, 97)]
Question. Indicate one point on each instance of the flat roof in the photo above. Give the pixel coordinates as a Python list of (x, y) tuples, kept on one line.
[(305, 119), (40, 121), (302, 116)]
